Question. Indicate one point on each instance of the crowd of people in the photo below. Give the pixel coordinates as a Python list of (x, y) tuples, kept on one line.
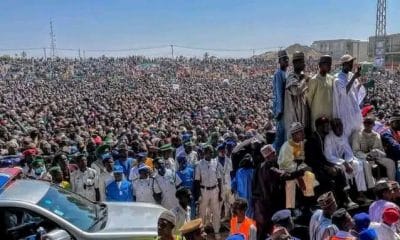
[(232, 141)]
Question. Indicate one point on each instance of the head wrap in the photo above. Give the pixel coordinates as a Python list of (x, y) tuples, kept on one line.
[(267, 150), (298, 55), (368, 234), (362, 221), (390, 215), (169, 216), (296, 127)]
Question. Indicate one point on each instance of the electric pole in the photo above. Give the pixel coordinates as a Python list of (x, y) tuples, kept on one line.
[(44, 53), (172, 51), (52, 40), (380, 33)]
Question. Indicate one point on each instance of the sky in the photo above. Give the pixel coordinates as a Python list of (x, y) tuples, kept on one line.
[(206, 24)]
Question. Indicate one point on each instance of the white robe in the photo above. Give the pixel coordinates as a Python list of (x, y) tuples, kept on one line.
[(338, 151), (346, 106)]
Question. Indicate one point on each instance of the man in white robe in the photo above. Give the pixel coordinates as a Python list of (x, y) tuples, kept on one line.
[(348, 93), (338, 152)]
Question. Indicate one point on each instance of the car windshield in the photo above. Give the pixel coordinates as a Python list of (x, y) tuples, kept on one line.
[(71, 207)]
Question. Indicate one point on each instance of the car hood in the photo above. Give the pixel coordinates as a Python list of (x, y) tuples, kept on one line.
[(138, 218)]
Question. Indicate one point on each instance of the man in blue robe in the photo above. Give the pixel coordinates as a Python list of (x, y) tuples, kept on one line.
[(120, 189), (124, 160), (278, 84), (242, 183)]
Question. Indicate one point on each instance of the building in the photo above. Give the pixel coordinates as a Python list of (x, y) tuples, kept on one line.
[(392, 49), (338, 47)]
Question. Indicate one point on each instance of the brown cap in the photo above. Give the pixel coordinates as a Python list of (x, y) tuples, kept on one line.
[(346, 58), (326, 200), (191, 226), (298, 55), (325, 59)]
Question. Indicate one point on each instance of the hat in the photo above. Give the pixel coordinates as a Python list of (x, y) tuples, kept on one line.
[(166, 147), (37, 162), (267, 150), (236, 236), (142, 155), (298, 56), (118, 169), (362, 221), (189, 144), (325, 59), (106, 156), (281, 215), (390, 215), (282, 54), (169, 216), (368, 234), (382, 185), (296, 127), (208, 147), (326, 200), (144, 167), (191, 226), (346, 58)]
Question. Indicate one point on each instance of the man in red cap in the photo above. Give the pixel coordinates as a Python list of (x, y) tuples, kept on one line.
[(384, 230)]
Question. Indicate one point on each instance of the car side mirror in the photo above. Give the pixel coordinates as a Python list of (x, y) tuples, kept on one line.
[(57, 234)]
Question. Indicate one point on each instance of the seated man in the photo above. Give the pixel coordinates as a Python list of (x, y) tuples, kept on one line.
[(330, 176), (367, 145), (391, 139), (339, 152), (291, 159)]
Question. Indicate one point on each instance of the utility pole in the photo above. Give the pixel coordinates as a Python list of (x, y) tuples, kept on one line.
[(79, 53), (172, 50), (52, 40), (52, 48), (380, 33), (254, 53), (84, 54), (44, 53)]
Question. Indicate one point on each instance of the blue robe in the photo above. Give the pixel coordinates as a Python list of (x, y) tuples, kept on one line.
[(241, 184), (126, 165), (279, 84), (187, 177), (392, 147), (122, 194)]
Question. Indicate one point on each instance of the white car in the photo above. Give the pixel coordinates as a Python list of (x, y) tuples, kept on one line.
[(28, 206)]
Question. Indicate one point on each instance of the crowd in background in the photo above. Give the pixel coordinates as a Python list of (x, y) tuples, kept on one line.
[(226, 140)]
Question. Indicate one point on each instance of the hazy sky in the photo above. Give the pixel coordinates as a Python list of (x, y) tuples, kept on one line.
[(227, 24)]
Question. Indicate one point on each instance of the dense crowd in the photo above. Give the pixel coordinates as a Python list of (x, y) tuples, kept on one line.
[(225, 140)]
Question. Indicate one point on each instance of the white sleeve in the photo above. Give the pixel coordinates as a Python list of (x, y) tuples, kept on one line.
[(329, 151), (253, 233), (197, 173), (178, 180)]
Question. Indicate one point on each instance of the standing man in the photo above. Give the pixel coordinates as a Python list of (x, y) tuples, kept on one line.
[(348, 93), (278, 84), (226, 180), (168, 181), (124, 160), (320, 91), (145, 188), (106, 176), (165, 225), (240, 223), (85, 180), (182, 210), (120, 189), (208, 180), (186, 174), (391, 139), (295, 109)]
